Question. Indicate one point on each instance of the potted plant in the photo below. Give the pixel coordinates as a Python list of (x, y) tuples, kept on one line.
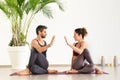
[(21, 13)]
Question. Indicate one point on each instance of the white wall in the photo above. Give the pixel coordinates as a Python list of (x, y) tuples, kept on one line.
[(100, 17)]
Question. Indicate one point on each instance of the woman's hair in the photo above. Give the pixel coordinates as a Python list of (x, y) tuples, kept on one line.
[(40, 28), (81, 31)]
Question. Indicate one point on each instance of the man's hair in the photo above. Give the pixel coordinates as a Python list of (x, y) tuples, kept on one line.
[(40, 28)]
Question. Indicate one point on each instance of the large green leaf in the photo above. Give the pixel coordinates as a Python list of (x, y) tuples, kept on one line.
[(44, 3), (47, 12), (34, 3), (60, 5), (11, 2), (14, 9), (20, 2), (31, 5), (27, 7), (5, 9)]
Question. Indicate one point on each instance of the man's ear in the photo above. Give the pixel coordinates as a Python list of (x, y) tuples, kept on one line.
[(39, 32)]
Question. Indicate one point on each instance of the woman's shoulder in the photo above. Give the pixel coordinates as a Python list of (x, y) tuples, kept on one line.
[(84, 43)]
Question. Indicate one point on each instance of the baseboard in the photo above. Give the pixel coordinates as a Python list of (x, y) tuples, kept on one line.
[(59, 65), (53, 65), (5, 66)]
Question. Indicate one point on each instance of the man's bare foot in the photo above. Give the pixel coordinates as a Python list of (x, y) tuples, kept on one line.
[(52, 71), (98, 71), (24, 72)]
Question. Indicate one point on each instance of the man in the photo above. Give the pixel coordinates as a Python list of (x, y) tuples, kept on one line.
[(38, 63)]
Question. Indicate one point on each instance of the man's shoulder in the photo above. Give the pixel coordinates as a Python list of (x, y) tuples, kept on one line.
[(34, 40)]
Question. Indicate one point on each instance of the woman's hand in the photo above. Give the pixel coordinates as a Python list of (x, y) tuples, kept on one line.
[(66, 40)]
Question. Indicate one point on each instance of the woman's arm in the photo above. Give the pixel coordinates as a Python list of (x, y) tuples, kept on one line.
[(76, 49), (80, 49)]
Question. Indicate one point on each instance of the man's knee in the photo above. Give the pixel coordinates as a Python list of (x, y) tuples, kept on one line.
[(37, 70)]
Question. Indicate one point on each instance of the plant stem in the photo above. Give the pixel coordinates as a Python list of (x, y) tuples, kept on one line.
[(28, 25)]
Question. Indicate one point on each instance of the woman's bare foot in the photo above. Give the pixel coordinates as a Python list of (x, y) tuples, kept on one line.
[(24, 72), (52, 71), (71, 71)]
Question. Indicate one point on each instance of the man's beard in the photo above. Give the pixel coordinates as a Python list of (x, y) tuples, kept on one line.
[(43, 36)]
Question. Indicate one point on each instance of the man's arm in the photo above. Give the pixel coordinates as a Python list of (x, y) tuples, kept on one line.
[(40, 49)]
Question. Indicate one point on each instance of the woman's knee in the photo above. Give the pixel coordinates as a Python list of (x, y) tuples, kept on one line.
[(86, 52), (92, 67)]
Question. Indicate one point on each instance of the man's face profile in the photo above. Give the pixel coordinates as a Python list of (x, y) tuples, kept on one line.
[(43, 33)]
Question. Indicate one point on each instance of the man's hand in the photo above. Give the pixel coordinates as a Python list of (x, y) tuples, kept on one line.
[(52, 40)]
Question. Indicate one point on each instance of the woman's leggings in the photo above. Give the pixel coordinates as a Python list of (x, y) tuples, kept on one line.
[(38, 63), (79, 63)]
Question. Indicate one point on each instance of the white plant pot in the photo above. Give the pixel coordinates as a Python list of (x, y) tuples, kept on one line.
[(19, 56)]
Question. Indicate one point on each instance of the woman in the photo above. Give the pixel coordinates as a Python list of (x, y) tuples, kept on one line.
[(81, 59)]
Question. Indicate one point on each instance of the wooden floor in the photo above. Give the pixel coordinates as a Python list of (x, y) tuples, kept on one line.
[(114, 74)]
